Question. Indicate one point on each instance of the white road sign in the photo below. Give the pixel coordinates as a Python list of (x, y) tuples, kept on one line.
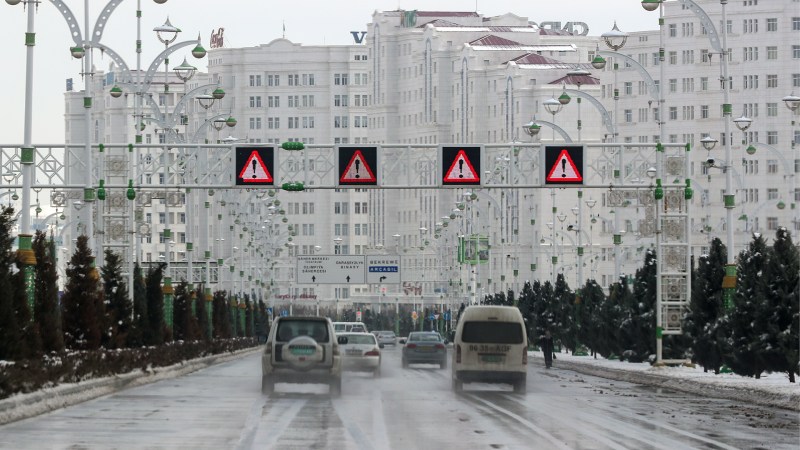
[(383, 269), (331, 269)]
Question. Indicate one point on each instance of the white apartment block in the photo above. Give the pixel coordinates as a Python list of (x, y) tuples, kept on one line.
[(429, 78)]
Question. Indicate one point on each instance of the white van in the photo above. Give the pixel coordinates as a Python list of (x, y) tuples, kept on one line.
[(350, 327), (490, 346)]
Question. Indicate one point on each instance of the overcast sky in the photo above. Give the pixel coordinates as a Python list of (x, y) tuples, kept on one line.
[(246, 23)]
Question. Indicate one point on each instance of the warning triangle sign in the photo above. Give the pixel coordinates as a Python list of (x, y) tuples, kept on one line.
[(461, 170), (564, 170), (254, 170), (357, 170)]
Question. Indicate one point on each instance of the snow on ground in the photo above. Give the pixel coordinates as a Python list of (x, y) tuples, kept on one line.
[(772, 389)]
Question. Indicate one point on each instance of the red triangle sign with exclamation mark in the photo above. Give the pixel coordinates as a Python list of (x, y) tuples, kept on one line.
[(357, 170), (564, 169), (461, 170), (254, 170)]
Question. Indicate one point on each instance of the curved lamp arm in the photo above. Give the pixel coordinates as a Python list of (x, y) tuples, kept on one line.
[(609, 124)]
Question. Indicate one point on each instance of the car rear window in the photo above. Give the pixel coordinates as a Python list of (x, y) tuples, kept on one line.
[(360, 339), (492, 333), (290, 329), (423, 337)]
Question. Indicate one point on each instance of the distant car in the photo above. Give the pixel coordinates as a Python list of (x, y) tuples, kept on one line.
[(350, 327), (302, 350), (386, 337), (425, 347), (361, 353), (402, 339)]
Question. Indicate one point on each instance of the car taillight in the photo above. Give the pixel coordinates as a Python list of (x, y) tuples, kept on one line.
[(524, 356), (373, 352), (439, 345), (411, 345), (458, 353)]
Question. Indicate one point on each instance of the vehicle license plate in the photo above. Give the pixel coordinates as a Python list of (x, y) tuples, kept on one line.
[(302, 351), (425, 349), (353, 351), (492, 358)]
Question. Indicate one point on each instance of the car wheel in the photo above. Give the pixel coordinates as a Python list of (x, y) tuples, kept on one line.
[(458, 385), (335, 386), (520, 386), (267, 385)]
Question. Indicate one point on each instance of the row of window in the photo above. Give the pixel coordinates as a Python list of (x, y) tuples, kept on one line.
[(688, 84), (307, 101), (307, 79), (748, 26)]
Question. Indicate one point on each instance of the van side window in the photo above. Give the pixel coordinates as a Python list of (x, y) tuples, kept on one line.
[(492, 333)]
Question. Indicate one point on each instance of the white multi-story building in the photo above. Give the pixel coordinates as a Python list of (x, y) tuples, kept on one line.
[(429, 78)]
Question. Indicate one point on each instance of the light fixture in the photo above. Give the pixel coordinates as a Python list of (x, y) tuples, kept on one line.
[(167, 33), (615, 39), (185, 71), (651, 5), (792, 101), (552, 106), (205, 100), (651, 172), (708, 143), (743, 123)]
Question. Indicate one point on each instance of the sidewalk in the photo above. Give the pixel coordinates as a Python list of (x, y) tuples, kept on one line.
[(772, 389)]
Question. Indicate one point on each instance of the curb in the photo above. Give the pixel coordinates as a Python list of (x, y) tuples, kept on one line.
[(23, 406), (755, 396)]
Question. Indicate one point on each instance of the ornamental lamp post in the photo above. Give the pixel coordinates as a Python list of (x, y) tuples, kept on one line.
[(553, 106)]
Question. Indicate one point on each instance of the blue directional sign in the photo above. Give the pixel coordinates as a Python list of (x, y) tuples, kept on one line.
[(432, 317), (383, 269), (447, 315), (284, 313)]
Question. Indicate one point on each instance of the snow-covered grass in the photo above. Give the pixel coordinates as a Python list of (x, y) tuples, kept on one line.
[(772, 389)]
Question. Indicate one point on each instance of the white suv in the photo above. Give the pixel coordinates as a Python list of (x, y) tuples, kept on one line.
[(302, 350)]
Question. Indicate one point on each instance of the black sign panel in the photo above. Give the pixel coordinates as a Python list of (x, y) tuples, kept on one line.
[(358, 166), (255, 166), (563, 164), (461, 165)]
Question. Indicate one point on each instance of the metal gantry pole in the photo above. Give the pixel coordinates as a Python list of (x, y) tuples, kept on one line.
[(27, 161), (729, 286), (88, 191)]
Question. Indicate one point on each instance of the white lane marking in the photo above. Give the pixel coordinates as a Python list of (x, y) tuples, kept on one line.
[(276, 422), (355, 432), (381, 435), (251, 424), (540, 431)]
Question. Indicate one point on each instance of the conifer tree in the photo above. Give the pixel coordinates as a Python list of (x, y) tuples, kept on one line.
[(525, 306), (248, 321), (220, 316), (783, 306), (637, 332), (45, 308), (154, 333), (563, 303), (706, 308), (31, 344), (82, 300), (182, 313), (119, 310), (748, 318), (10, 333), (201, 314), (141, 320), (592, 298), (611, 319)]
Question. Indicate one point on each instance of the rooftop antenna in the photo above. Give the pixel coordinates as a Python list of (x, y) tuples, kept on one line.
[(284, 29)]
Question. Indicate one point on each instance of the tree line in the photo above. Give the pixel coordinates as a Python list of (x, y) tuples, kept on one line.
[(754, 333), (95, 310)]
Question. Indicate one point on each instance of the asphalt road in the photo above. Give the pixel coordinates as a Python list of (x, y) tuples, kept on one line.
[(222, 408)]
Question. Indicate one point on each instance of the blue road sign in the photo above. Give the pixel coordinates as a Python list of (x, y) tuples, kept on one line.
[(432, 317), (447, 315), (284, 313), (269, 310)]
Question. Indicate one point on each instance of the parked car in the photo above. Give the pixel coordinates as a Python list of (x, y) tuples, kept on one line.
[(302, 350), (361, 353), (425, 347), (490, 346), (386, 337)]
